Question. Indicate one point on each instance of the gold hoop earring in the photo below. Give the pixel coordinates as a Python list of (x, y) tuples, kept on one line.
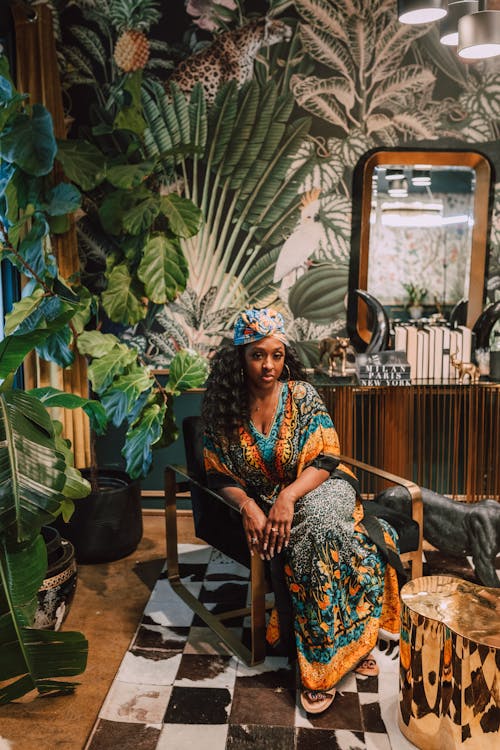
[(242, 374), (288, 375)]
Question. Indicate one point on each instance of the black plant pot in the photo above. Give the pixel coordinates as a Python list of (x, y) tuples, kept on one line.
[(106, 525), (57, 591)]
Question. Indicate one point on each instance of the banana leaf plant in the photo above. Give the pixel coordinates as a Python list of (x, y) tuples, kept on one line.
[(37, 482)]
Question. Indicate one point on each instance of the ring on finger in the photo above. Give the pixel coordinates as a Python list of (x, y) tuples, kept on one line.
[(275, 530), (254, 540)]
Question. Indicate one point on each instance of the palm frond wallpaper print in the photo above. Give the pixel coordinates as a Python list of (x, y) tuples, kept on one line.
[(259, 111)]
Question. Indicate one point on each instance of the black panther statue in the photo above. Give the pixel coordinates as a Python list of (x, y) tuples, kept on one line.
[(456, 527)]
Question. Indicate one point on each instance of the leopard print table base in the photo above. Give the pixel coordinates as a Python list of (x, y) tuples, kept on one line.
[(450, 664)]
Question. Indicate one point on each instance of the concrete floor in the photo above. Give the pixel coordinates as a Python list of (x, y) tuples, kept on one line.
[(108, 604)]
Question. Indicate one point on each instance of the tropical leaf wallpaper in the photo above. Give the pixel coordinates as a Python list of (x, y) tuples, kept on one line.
[(258, 111)]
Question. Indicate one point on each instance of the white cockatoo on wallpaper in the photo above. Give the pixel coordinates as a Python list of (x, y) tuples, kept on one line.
[(293, 259)]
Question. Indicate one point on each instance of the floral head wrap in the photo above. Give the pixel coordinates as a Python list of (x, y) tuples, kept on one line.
[(253, 325)]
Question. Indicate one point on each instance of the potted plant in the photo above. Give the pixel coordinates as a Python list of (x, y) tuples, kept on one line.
[(416, 295), (36, 480)]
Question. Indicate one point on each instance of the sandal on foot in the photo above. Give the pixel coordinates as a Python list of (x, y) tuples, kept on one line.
[(317, 701), (367, 667)]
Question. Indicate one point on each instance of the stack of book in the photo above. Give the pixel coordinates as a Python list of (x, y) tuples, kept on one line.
[(383, 368), (429, 349)]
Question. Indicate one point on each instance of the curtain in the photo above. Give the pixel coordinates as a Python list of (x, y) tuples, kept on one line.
[(37, 74)]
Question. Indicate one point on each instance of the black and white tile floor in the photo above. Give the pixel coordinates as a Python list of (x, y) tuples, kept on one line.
[(179, 688)]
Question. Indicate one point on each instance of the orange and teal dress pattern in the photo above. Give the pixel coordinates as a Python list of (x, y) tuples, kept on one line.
[(341, 588)]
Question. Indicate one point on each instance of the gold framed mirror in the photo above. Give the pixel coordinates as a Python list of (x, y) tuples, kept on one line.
[(420, 217)]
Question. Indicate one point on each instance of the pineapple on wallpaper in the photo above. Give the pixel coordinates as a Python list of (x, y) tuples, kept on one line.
[(247, 116)]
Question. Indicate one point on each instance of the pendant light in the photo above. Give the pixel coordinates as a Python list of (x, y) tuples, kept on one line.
[(448, 27), (479, 34), (421, 11)]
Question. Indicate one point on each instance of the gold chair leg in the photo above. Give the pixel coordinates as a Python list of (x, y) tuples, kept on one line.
[(250, 656)]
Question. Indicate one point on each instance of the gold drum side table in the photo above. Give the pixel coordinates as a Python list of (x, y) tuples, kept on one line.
[(450, 664)]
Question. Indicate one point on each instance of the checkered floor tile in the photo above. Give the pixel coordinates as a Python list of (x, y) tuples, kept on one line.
[(179, 687)]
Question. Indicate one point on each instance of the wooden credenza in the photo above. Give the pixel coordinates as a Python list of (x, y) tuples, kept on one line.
[(444, 437)]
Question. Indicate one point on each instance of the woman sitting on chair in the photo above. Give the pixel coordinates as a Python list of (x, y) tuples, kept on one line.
[(271, 449)]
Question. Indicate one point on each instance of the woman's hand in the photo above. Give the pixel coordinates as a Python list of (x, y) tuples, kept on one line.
[(254, 524), (279, 524)]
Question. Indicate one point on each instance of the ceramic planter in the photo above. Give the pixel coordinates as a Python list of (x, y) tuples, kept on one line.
[(57, 591), (415, 311)]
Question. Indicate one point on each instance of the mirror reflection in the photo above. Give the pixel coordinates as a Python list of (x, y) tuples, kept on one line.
[(421, 223), (420, 219)]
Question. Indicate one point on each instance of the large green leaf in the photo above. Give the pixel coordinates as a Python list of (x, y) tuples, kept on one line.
[(198, 118), (34, 250), (124, 392), (50, 317), (96, 343), (248, 116), (265, 182), (32, 656), (119, 300), (129, 176), (13, 349), (62, 199), (187, 370), (131, 211), (30, 142), (32, 470), (22, 310), (140, 439), (102, 370), (141, 215), (52, 397), (75, 487), (222, 116), (82, 162), (56, 348), (183, 216), (163, 269), (319, 294)]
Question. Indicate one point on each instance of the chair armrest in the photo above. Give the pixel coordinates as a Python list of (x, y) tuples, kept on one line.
[(415, 492), (184, 473)]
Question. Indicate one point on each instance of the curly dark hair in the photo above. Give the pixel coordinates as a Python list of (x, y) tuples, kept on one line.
[(225, 404)]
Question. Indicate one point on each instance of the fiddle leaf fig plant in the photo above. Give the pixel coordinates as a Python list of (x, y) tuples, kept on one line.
[(134, 229), (137, 230)]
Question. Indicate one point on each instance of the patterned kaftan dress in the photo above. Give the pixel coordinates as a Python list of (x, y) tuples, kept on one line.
[(342, 591)]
